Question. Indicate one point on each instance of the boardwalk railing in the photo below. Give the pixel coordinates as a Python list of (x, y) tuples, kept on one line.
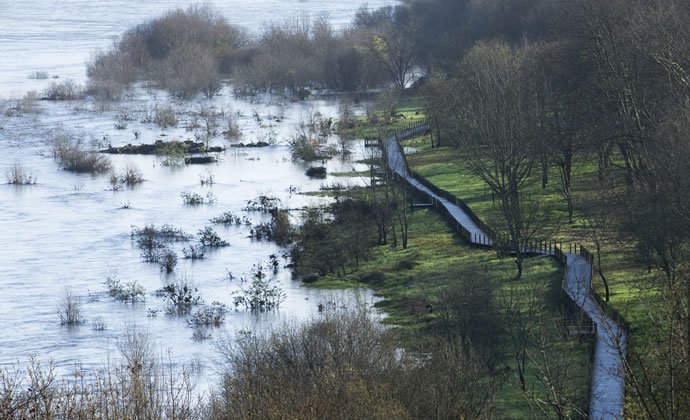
[(491, 239), (580, 319)]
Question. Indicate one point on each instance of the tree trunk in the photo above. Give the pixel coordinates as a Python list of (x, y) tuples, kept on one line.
[(518, 261)]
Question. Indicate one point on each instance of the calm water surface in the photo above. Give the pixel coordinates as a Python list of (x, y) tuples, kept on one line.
[(69, 231)]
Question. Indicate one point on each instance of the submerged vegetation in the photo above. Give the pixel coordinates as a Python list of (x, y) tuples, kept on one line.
[(73, 154), (130, 292), (69, 309), (551, 120), (18, 175)]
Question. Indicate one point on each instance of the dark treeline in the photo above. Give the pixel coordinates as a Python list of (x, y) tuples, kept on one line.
[(189, 51), (528, 88)]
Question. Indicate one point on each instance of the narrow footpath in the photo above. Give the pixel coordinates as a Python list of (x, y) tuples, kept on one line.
[(608, 380)]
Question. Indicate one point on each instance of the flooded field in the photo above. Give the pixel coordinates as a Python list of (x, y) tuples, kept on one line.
[(72, 231)]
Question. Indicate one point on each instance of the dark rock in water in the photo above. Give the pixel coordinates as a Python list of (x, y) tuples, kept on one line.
[(257, 144), (316, 172), (159, 147), (193, 160)]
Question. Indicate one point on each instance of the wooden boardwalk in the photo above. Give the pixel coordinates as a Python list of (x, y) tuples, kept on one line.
[(608, 380)]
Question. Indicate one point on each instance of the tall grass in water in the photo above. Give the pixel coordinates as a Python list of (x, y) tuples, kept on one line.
[(73, 155), (69, 309), (17, 175), (139, 384)]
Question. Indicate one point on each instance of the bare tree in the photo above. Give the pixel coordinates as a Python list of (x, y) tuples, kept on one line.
[(392, 43), (495, 118)]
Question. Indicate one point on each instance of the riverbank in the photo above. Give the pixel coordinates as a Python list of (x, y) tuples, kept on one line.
[(416, 283)]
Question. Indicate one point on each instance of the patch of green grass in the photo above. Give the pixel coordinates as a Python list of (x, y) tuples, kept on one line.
[(410, 109), (409, 279), (629, 281), (350, 174)]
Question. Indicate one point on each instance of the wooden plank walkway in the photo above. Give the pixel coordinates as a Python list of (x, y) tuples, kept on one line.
[(608, 380)]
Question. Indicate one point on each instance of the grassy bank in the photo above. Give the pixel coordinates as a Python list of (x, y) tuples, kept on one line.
[(409, 109), (632, 286), (416, 281)]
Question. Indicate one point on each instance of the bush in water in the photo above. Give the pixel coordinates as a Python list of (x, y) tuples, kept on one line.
[(17, 175), (130, 292), (209, 237), (73, 155), (69, 309)]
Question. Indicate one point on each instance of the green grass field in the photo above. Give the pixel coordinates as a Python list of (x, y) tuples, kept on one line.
[(631, 285), (409, 279)]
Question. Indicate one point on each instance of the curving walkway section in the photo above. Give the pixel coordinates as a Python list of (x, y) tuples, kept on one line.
[(398, 164), (608, 380), (608, 377)]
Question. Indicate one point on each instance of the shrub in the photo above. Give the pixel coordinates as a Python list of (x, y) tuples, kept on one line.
[(180, 295), (38, 75), (105, 90), (173, 153), (17, 175), (69, 309), (213, 315), (261, 295), (98, 324), (132, 175), (194, 199), (278, 230), (191, 198), (130, 292), (339, 365), (373, 277), (152, 249), (193, 252), (201, 333), (263, 204), (209, 237), (66, 90), (232, 128), (73, 155), (208, 179), (152, 242), (261, 231), (168, 260), (135, 384), (166, 233), (28, 104), (165, 117), (227, 218), (183, 51), (304, 148)]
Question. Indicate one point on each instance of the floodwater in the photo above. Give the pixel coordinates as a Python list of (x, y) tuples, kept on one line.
[(59, 37), (70, 231)]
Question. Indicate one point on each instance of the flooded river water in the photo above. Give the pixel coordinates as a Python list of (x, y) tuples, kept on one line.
[(70, 231)]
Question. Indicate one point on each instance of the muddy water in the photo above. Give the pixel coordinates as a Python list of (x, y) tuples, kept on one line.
[(70, 231)]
